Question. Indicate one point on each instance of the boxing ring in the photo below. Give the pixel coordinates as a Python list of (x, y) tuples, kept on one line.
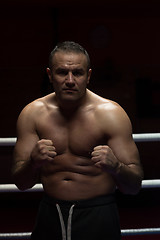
[(148, 184)]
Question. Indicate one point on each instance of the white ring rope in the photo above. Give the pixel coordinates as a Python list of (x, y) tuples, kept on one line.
[(154, 183), (138, 137), (124, 232), (13, 188), (146, 137), (24, 235), (141, 231), (8, 141)]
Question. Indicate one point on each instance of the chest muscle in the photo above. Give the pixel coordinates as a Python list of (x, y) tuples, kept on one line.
[(78, 136)]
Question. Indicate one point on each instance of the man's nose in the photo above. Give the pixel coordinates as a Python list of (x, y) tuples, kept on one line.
[(70, 79)]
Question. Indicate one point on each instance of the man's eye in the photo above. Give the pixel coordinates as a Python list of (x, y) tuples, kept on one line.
[(77, 73), (62, 72)]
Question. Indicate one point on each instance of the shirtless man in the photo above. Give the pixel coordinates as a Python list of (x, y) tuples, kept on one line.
[(80, 147)]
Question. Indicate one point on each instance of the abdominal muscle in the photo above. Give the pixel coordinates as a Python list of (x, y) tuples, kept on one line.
[(70, 177)]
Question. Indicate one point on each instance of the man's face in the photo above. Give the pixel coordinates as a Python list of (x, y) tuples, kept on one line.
[(69, 75)]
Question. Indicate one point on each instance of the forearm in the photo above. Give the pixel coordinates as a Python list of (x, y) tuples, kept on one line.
[(129, 178), (25, 175)]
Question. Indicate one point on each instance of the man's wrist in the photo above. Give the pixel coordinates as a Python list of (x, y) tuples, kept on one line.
[(119, 168)]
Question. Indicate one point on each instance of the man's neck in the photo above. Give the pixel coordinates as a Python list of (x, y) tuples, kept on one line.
[(69, 108)]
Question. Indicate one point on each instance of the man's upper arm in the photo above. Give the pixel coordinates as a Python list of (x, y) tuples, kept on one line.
[(26, 134), (120, 138)]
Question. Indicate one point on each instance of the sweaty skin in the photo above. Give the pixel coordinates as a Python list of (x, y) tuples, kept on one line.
[(76, 143)]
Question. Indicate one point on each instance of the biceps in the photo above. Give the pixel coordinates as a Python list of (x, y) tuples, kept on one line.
[(125, 150), (24, 147)]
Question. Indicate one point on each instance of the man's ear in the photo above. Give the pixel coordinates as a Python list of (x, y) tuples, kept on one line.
[(49, 74), (89, 75)]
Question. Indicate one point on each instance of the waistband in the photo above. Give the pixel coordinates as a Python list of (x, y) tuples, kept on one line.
[(92, 202)]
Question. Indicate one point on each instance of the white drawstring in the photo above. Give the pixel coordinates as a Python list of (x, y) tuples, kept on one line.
[(62, 222), (69, 222)]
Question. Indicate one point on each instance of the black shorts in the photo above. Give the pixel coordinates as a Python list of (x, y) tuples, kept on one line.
[(93, 219)]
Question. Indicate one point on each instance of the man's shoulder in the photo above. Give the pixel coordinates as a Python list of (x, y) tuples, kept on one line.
[(110, 116), (107, 110), (102, 103), (39, 104)]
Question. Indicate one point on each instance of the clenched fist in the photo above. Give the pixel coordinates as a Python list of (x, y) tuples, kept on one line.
[(104, 158), (44, 151)]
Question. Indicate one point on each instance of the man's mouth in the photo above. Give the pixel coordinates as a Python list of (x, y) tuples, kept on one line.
[(69, 90)]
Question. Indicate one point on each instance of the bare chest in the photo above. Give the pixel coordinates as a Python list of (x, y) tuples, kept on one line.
[(78, 135)]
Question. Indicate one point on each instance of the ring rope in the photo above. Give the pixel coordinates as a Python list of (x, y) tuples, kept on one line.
[(141, 231), (8, 141), (124, 232), (12, 188), (154, 183), (146, 137), (138, 137), (24, 235)]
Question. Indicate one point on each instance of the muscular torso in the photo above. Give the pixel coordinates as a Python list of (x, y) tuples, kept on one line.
[(72, 175)]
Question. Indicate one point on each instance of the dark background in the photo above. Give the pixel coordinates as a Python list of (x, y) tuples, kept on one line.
[(123, 41)]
